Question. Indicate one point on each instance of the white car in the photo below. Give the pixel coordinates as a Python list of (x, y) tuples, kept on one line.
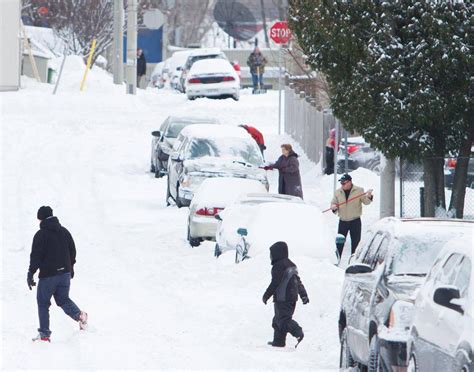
[(239, 214), (202, 151), (174, 65), (442, 333), (212, 78), (212, 197), (157, 77), (300, 225)]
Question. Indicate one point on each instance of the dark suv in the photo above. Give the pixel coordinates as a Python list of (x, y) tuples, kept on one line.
[(380, 282)]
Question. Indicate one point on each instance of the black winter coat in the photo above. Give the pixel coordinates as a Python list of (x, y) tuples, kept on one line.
[(286, 284), (53, 251), (289, 178), (141, 65)]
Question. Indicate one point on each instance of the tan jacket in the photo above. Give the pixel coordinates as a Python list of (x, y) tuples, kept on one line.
[(352, 210)]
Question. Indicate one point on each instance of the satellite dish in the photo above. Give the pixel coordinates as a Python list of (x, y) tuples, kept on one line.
[(236, 19)]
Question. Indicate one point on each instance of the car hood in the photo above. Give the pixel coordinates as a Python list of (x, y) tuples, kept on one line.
[(404, 287), (220, 166)]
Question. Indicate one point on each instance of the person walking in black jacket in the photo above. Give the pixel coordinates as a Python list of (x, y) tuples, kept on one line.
[(141, 68), (284, 287), (53, 252)]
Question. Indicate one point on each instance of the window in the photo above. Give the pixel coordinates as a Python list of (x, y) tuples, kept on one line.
[(463, 277), (447, 274), (382, 252), (369, 258), (363, 246)]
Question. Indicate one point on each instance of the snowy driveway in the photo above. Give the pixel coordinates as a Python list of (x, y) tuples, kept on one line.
[(153, 301)]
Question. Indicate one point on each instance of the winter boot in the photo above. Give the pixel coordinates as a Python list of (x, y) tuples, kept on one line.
[(41, 338), (299, 339), (82, 320)]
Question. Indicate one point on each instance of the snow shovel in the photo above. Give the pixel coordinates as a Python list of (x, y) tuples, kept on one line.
[(259, 89)]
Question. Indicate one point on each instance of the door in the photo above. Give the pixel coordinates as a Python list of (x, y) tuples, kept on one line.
[(365, 285)]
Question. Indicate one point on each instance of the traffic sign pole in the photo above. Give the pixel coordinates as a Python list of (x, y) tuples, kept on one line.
[(279, 90)]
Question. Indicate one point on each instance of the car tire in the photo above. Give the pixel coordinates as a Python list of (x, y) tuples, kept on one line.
[(152, 168), (236, 97), (217, 251), (375, 364), (168, 194), (178, 201), (193, 242), (345, 358), (412, 364)]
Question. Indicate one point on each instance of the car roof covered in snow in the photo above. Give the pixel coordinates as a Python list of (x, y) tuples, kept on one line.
[(219, 192), (192, 119), (205, 52), (264, 197), (213, 131), (212, 66), (459, 245), (408, 226)]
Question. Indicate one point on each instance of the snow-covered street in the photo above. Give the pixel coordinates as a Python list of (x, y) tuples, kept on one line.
[(153, 301)]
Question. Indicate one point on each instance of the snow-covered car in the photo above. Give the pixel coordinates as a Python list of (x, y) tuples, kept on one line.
[(300, 225), (212, 78), (198, 55), (239, 214), (164, 139), (157, 78), (442, 334), (202, 151), (388, 268), (174, 66), (212, 197)]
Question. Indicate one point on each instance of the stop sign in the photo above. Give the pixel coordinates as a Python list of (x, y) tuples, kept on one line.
[(280, 33)]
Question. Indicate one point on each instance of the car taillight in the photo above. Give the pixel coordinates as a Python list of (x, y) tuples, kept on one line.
[(194, 81), (210, 212), (228, 78), (352, 148)]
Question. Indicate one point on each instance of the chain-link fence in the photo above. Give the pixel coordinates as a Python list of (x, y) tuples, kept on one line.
[(412, 188), (306, 122)]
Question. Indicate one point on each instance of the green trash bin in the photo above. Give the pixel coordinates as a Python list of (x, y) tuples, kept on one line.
[(51, 75)]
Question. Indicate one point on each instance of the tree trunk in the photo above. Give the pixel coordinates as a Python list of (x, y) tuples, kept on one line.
[(433, 178), (456, 205)]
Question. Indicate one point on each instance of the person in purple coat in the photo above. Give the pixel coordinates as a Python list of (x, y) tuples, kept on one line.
[(289, 180)]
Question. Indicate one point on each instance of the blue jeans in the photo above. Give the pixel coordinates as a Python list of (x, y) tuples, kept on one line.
[(57, 286), (257, 79)]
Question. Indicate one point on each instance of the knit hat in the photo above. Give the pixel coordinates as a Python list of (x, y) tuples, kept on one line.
[(44, 212)]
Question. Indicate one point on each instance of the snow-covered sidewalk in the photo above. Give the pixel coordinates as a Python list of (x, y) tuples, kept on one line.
[(153, 301)]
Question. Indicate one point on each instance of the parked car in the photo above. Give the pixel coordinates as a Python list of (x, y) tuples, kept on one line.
[(442, 334), (164, 139), (380, 283), (212, 197), (202, 151), (239, 214), (290, 221), (157, 79), (212, 78), (449, 168), (360, 154), (174, 66), (197, 55)]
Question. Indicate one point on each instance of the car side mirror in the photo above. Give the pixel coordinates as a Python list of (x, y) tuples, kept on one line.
[(175, 157), (156, 133), (179, 68), (359, 268), (444, 295), (242, 232), (218, 217)]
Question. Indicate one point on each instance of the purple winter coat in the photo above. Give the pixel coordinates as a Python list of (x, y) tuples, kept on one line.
[(289, 180)]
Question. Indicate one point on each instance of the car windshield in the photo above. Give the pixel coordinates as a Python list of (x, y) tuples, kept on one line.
[(176, 127), (415, 254), (239, 150)]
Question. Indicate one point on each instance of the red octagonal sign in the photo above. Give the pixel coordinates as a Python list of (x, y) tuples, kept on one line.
[(280, 33)]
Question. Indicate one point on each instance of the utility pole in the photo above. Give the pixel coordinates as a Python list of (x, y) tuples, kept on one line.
[(118, 42), (132, 47)]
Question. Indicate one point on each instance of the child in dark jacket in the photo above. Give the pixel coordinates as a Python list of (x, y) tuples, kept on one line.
[(285, 287)]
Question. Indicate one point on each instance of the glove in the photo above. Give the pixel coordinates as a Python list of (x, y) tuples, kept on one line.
[(264, 300), (29, 279), (268, 167), (305, 300)]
